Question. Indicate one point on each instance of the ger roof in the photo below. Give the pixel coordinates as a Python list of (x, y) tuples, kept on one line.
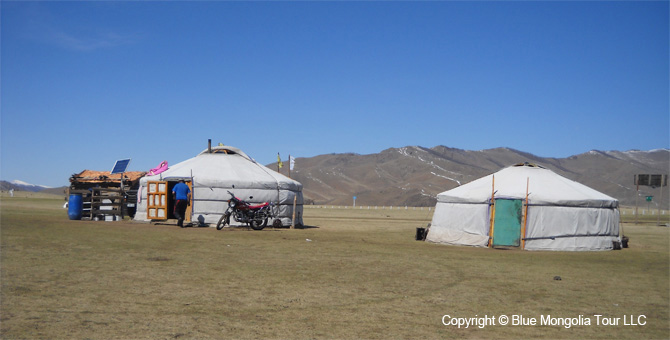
[(224, 167), (543, 185)]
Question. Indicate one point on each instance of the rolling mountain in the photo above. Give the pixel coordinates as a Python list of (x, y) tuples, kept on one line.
[(414, 175), (22, 186)]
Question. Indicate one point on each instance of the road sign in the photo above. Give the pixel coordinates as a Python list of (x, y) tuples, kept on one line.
[(649, 198)]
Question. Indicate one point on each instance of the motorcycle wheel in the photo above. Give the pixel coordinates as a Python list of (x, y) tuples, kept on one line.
[(258, 224), (225, 219)]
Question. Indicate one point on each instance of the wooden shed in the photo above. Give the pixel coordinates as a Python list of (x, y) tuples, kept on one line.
[(107, 195)]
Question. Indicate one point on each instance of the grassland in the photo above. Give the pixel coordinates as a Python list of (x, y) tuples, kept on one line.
[(350, 274)]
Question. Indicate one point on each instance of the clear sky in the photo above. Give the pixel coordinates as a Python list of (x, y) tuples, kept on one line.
[(87, 83)]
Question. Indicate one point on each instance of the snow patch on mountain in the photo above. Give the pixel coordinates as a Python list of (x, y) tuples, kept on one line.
[(449, 178), (25, 184)]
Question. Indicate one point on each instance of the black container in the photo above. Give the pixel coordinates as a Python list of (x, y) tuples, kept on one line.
[(420, 234)]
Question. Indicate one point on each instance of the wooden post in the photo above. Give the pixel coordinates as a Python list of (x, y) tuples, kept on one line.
[(492, 210), (92, 200), (295, 199), (123, 195), (658, 218), (637, 194), (620, 225), (525, 217)]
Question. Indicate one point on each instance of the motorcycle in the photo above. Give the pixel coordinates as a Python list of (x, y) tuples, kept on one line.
[(256, 216)]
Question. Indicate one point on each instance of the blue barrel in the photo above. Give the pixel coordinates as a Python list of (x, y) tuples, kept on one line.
[(75, 207)]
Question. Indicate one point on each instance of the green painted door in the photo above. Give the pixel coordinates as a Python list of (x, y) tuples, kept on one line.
[(507, 223)]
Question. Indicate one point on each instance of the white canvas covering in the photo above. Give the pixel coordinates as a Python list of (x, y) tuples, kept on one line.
[(228, 168), (562, 214)]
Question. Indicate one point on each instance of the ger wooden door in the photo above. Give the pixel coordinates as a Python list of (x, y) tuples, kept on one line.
[(189, 208), (157, 200)]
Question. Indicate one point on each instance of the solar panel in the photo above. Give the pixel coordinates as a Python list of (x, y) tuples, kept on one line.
[(120, 166)]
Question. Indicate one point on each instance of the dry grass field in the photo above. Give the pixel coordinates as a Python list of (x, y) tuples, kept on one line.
[(351, 274)]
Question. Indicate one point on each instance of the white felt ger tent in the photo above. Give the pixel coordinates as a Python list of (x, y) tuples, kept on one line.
[(217, 170), (526, 206)]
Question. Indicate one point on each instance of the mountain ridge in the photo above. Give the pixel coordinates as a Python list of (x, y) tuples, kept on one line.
[(414, 175), (23, 186)]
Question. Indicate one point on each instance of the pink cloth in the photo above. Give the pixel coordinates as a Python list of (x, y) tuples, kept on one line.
[(160, 168)]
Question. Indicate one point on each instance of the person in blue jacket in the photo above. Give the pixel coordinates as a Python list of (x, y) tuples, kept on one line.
[(182, 196)]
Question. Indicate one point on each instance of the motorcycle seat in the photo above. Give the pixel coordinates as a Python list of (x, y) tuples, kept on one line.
[(258, 206)]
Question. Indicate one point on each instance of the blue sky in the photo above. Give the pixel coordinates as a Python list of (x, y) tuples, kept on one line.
[(87, 83)]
